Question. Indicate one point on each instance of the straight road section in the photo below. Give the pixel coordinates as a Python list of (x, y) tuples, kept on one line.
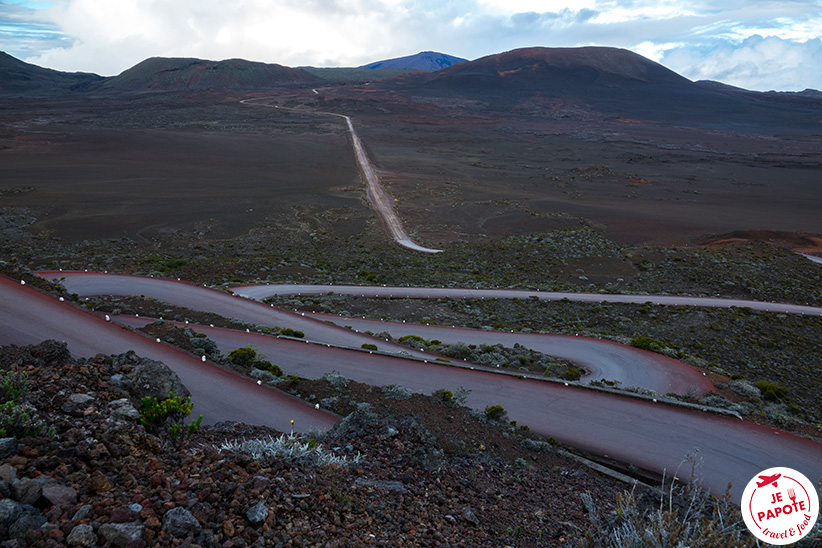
[(261, 292)]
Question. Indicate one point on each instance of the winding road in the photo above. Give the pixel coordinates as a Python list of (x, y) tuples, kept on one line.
[(260, 292), (648, 434), (29, 317)]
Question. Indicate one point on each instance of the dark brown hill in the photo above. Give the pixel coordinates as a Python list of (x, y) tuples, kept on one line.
[(562, 67), (176, 74), (609, 81), (19, 77)]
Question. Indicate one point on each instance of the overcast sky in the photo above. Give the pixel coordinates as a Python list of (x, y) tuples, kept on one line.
[(755, 44)]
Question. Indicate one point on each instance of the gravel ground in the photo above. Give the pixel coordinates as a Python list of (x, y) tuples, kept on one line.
[(418, 472)]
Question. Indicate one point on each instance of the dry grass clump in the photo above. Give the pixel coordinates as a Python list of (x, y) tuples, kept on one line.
[(289, 448), (689, 517)]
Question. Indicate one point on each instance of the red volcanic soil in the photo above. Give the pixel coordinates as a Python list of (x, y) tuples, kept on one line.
[(801, 242)]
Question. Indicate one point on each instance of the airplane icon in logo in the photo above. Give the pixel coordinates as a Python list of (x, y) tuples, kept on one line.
[(767, 480)]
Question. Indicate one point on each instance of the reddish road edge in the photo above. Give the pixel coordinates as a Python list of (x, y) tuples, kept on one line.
[(29, 316)]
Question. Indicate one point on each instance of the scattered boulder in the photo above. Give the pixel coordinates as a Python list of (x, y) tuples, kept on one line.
[(60, 495), (10, 511), (26, 491), (120, 534), (8, 473), (468, 515), (99, 483), (180, 523), (123, 409), (82, 535), (8, 447), (148, 378), (26, 523), (258, 513), (82, 513)]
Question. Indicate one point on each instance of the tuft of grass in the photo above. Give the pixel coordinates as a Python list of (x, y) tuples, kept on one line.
[(17, 417), (290, 448), (676, 515)]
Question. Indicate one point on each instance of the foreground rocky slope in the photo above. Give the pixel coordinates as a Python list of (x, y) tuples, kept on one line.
[(103, 479), (399, 470)]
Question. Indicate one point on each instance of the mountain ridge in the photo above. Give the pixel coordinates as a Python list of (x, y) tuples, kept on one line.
[(21, 77), (182, 73), (601, 81), (606, 78), (424, 60)]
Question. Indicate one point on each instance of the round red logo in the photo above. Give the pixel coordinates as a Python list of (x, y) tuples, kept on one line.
[(780, 505)]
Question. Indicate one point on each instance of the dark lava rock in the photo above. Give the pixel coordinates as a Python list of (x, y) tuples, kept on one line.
[(82, 535), (26, 491), (120, 534), (60, 495), (148, 379), (179, 522), (8, 447), (258, 513), (25, 523), (10, 511)]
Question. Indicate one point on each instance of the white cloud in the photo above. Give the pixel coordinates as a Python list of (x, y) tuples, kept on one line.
[(654, 51), (757, 63), (753, 43)]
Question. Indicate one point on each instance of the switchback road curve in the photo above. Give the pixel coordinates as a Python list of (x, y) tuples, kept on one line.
[(28, 316), (603, 359), (647, 434)]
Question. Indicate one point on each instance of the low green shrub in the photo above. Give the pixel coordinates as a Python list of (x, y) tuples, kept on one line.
[(248, 357), (369, 346), (771, 391), (166, 417), (288, 332), (13, 386), (17, 417), (268, 366), (452, 399), (647, 343), (245, 356), (573, 373), (495, 413)]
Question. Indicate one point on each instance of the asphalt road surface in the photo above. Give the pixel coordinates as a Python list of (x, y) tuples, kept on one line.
[(29, 317), (260, 292), (651, 435), (602, 359), (648, 434)]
